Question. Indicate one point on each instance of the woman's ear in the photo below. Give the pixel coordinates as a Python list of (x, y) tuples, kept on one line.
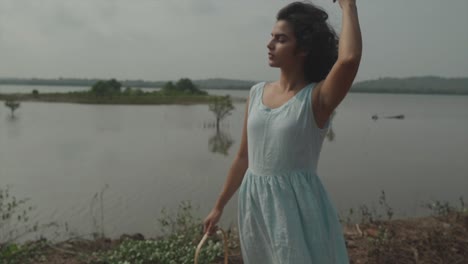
[(303, 53)]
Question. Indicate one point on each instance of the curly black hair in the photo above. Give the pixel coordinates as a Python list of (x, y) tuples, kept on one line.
[(314, 35)]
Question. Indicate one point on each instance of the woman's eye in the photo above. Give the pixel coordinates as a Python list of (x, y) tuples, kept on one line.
[(279, 39)]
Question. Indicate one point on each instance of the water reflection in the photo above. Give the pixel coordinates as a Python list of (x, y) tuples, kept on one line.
[(13, 126), (220, 142), (11, 118)]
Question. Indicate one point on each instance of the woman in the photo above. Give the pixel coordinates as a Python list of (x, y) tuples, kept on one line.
[(285, 215)]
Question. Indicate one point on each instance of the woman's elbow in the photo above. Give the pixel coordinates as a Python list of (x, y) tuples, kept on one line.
[(352, 60)]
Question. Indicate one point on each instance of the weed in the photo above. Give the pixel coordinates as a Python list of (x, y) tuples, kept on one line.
[(176, 247)]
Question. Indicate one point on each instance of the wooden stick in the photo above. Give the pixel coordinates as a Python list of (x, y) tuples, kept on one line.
[(203, 240)]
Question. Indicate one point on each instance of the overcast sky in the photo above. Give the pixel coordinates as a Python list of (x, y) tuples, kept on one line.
[(170, 39)]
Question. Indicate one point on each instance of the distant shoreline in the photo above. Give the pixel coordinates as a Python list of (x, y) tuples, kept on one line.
[(84, 98), (353, 90), (412, 85)]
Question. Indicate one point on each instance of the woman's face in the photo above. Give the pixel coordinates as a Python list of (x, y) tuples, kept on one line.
[(282, 50)]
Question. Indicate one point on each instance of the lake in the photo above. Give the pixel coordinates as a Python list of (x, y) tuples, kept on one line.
[(116, 166)]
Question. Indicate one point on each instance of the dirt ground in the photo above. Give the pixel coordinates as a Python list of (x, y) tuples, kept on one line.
[(417, 240)]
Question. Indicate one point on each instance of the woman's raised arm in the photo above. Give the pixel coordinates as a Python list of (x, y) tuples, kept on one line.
[(332, 90)]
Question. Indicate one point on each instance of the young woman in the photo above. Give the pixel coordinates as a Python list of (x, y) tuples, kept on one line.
[(285, 215)]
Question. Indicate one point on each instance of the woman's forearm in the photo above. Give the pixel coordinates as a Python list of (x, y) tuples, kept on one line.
[(350, 43), (233, 181)]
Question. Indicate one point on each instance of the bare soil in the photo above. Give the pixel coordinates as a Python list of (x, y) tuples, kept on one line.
[(442, 239)]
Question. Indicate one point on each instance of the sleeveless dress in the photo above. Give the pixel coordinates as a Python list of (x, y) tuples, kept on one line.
[(284, 213)]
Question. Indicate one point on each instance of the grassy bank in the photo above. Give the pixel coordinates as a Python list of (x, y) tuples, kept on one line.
[(112, 92), (441, 237), (434, 239)]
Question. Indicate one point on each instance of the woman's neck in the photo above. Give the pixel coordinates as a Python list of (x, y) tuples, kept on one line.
[(292, 79)]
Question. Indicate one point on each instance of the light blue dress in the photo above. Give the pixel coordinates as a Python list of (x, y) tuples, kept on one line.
[(285, 215)]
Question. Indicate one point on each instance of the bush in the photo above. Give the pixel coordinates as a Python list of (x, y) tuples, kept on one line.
[(14, 223), (183, 233)]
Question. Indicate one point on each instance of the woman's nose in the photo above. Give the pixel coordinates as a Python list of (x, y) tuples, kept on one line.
[(270, 44)]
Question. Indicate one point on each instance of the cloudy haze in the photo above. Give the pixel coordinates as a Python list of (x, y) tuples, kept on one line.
[(169, 39)]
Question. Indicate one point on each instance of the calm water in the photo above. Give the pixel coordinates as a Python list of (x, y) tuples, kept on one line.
[(144, 158)]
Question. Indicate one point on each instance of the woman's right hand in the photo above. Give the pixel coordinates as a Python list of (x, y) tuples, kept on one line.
[(345, 2), (209, 225)]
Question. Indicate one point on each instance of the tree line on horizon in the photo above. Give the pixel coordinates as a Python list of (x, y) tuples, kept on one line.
[(113, 87), (213, 83), (416, 85)]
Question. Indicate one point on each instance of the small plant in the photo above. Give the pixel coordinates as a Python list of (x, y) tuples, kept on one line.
[(14, 224), (444, 209), (463, 209), (381, 238), (221, 106), (382, 247), (371, 215), (14, 217), (182, 222), (349, 218), (367, 215), (439, 208), (182, 234), (383, 203), (98, 225)]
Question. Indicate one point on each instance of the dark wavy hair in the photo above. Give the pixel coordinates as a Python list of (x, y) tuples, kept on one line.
[(314, 35)]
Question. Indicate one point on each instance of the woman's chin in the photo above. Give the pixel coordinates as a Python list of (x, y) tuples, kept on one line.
[(272, 64)]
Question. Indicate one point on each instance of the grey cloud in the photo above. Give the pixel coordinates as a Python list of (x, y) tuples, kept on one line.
[(168, 39), (203, 7), (190, 7)]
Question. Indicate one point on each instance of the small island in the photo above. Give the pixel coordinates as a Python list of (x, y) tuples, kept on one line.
[(184, 91)]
